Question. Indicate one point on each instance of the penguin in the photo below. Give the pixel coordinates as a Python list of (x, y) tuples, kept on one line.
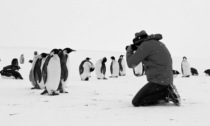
[(194, 71), (64, 61), (22, 59), (38, 70), (122, 65), (207, 72), (114, 68), (51, 73), (100, 68), (10, 74), (85, 69), (31, 74), (175, 73), (15, 62), (185, 67), (138, 70), (11, 71)]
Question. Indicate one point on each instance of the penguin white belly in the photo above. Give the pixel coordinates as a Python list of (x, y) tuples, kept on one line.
[(138, 69), (41, 84), (53, 74), (186, 69), (98, 70), (115, 69), (86, 72), (123, 72), (5, 77)]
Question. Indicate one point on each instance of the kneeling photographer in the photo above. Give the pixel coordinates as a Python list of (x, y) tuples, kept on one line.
[(158, 68)]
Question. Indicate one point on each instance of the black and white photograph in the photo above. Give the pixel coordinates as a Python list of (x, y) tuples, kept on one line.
[(104, 62)]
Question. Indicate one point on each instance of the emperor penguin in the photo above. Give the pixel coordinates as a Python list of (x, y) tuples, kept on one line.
[(122, 65), (185, 67), (100, 68), (114, 68), (85, 69), (51, 73), (31, 74), (138, 70), (38, 70), (64, 62)]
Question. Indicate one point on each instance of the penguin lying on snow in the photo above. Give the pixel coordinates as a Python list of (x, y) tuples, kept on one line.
[(207, 72), (175, 73), (85, 69), (11, 71), (64, 62), (194, 72), (51, 73)]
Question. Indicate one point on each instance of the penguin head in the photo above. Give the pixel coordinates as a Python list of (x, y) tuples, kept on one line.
[(68, 50), (35, 53), (54, 51), (112, 58), (88, 58), (44, 55), (121, 56), (104, 60)]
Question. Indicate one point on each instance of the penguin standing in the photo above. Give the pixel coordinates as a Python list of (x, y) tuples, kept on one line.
[(185, 67), (51, 73), (64, 61), (122, 66), (138, 70), (31, 74), (100, 68), (38, 70), (114, 68), (85, 69), (22, 59)]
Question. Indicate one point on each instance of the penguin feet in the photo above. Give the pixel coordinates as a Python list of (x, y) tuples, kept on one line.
[(44, 92), (113, 76), (54, 93), (34, 88), (64, 92), (87, 79)]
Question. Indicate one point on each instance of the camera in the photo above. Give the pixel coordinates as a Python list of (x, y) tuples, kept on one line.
[(137, 42)]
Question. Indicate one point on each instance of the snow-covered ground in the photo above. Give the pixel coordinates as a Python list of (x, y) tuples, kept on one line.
[(99, 102)]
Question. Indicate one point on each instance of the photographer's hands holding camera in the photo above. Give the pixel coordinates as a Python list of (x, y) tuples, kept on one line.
[(129, 49)]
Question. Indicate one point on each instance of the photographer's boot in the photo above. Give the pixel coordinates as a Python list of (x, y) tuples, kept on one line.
[(174, 95)]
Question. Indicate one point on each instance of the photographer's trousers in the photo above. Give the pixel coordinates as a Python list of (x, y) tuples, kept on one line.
[(150, 94)]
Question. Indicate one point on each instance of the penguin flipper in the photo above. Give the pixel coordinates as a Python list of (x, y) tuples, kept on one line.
[(65, 74), (44, 69), (81, 68), (111, 70)]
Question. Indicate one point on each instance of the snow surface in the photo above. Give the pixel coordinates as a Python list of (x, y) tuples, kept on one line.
[(99, 102)]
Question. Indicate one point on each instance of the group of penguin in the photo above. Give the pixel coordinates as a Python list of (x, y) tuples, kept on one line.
[(117, 68), (50, 71)]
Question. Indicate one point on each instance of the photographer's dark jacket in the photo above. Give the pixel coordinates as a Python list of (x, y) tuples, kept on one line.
[(156, 59)]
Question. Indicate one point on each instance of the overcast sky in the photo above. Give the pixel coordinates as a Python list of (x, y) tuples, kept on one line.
[(106, 24)]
